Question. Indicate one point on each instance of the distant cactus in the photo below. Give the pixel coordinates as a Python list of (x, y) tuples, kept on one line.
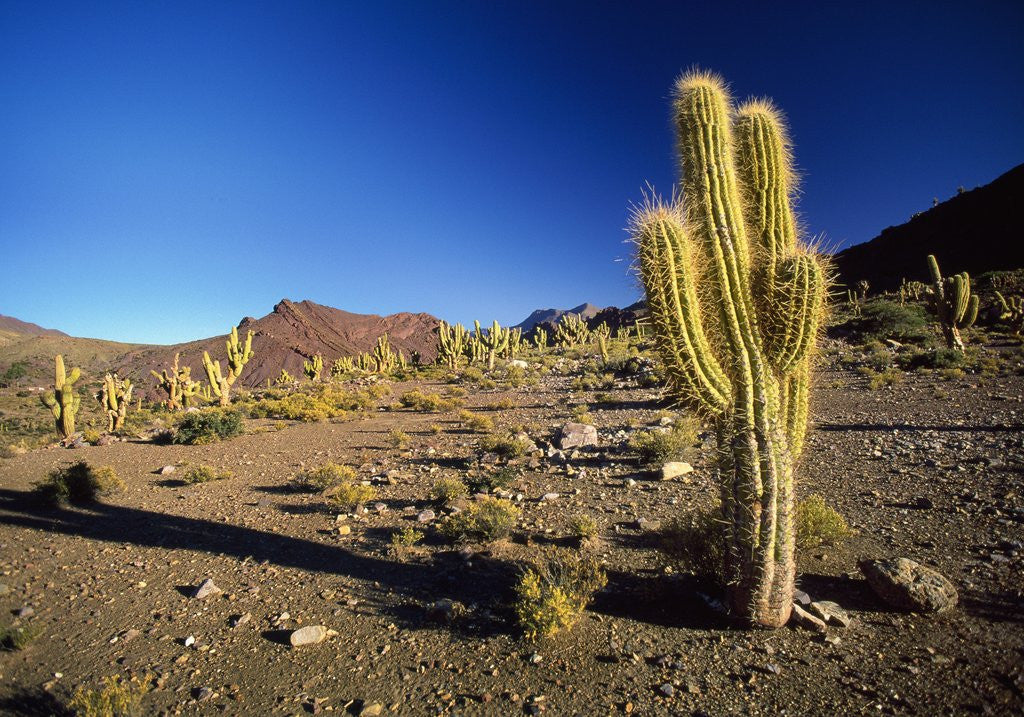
[(571, 331), (115, 396), (641, 328), (540, 338), (476, 352), (366, 362), (403, 363), (451, 343), (862, 287), (736, 303), (911, 290), (602, 344), (341, 366), (313, 368), (238, 357), (495, 341), (853, 302), (952, 303), (623, 333), (602, 330), (415, 358), (284, 379), (63, 402), (1011, 311), (179, 386), (515, 343), (384, 357)]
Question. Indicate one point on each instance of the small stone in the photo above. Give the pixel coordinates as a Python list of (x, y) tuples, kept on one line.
[(374, 709), (908, 585), (445, 610), (239, 620), (577, 435), (675, 469), (518, 363), (667, 689), (310, 635), (205, 589), (802, 598), (166, 470), (202, 694), (105, 440), (425, 516), (547, 497), (923, 503), (535, 658), (832, 613), (131, 635), (806, 619), (26, 611), (343, 529), (190, 641)]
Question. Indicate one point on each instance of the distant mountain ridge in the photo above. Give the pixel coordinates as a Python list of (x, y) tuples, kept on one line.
[(551, 316), (17, 326), (976, 231)]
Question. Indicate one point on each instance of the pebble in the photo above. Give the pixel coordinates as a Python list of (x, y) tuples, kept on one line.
[(309, 635), (667, 689), (166, 470), (675, 469), (547, 497), (425, 516), (205, 589), (371, 710)]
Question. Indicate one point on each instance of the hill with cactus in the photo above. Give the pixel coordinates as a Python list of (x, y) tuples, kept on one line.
[(975, 231)]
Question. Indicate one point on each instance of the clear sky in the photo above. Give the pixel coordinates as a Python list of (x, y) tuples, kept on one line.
[(167, 168)]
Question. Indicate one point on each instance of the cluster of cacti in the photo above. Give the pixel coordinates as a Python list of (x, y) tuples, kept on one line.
[(284, 379), (313, 368), (953, 304), (365, 362), (179, 386), (238, 355), (451, 343), (476, 352), (736, 303), (602, 332), (540, 338), (514, 345), (623, 333), (571, 331), (853, 302), (115, 396), (341, 366), (1012, 312), (494, 341), (862, 287), (63, 402), (911, 290), (384, 357)]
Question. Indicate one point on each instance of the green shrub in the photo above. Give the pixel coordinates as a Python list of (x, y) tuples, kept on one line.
[(208, 426), (581, 414), (398, 438), (881, 320), (406, 537), (350, 495), (13, 639), (502, 404), (448, 490), (817, 523), (483, 521), (471, 374), (661, 446), (317, 480), (205, 474), (430, 402), (497, 479), (504, 444), (552, 593), (78, 483), (583, 527), (119, 697), (476, 423), (696, 543), (91, 435), (878, 380)]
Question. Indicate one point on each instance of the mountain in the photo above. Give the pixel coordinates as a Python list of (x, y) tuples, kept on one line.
[(11, 325), (551, 316), (975, 231), (292, 333)]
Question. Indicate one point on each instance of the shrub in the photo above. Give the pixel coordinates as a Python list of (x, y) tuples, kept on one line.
[(581, 414), (431, 402), (696, 543), (205, 474), (552, 593), (91, 435), (476, 423), (79, 483), (471, 374), (583, 527), (483, 521), (435, 428), (504, 444), (349, 495), (406, 537), (208, 426), (502, 404), (952, 374), (878, 380), (881, 320), (119, 697), (317, 480), (498, 479), (661, 446), (398, 438), (13, 639), (817, 523), (448, 490)]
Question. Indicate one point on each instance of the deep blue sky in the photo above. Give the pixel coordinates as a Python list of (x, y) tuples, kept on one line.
[(169, 167)]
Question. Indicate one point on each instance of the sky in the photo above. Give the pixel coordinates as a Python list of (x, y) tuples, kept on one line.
[(167, 168)]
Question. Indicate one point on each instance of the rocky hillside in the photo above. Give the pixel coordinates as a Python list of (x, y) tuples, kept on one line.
[(975, 231), (551, 316)]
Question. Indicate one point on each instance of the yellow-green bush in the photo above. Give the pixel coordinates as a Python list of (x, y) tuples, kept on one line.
[(817, 522), (78, 483), (316, 480), (483, 521), (475, 422), (398, 438), (552, 593), (118, 697), (661, 446), (350, 495), (504, 444), (696, 542), (205, 474), (430, 402)]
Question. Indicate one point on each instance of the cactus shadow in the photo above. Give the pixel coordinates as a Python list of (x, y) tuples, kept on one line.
[(660, 600), (33, 702)]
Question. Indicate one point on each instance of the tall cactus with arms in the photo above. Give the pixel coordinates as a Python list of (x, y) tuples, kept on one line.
[(63, 402), (953, 304), (238, 356), (735, 305)]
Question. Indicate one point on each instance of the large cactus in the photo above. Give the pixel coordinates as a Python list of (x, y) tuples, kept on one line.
[(384, 357), (312, 369), (178, 385), (571, 330), (953, 304), (341, 366), (63, 402), (540, 338), (735, 306), (494, 341), (115, 396), (238, 356), (451, 343)]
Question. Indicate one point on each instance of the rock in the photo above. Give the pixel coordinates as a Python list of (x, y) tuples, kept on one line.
[(577, 435), (802, 598), (343, 529), (105, 440), (4, 589), (922, 503), (832, 613), (445, 610), (206, 589), (374, 709), (908, 585), (425, 516), (519, 363), (26, 611), (309, 635), (806, 619), (202, 694), (547, 497), (239, 620), (667, 689), (675, 469), (166, 470)]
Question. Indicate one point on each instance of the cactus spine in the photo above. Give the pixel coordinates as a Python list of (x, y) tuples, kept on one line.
[(238, 357), (735, 307), (63, 402), (953, 304), (313, 368), (494, 342), (115, 396), (451, 343)]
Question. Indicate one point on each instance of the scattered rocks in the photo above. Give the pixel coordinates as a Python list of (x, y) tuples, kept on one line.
[(206, 589), (831, 613), (908, 585), (807, 620), (445, 611), (577, 435), (675, 469), (425, 516), (309, 635)]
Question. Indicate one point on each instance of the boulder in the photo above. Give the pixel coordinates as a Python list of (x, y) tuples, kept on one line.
[(908, 585)]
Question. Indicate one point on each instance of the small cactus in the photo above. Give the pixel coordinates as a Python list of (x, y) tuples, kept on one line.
[(495, 341), (63, 402), (1011, 311), (313, 368), (284, 379), (451, 343), (115, 396), (953, 304), (384, 357), (540, 338), (571, 331), (238, 356)]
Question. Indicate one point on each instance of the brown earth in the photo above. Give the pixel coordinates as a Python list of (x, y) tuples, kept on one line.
[(928, 469)]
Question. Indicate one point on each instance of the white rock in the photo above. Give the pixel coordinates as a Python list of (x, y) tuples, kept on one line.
[(675, 469), (309, 635)]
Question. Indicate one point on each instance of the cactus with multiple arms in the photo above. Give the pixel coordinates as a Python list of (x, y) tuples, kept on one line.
[(179, 386), (1012, 312), (313, 368), (342, 365), (238, 355), (384, 357), (284, 379), (953, 304), (494, 342), (540, 338), (515, 343), (571, 331), (63, 402), (451, 343), (115, 396), (735, 306)]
